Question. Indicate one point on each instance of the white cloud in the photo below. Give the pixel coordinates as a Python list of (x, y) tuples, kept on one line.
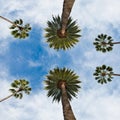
[(97, 104), (4, 34), (34, 64), (94, 13), (4, 28), (5, 79), (36, 12)]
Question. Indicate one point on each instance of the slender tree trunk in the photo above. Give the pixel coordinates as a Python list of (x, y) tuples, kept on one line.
[(6, 97), (10, 22), (116, 74), (67, 7), (116, 43), (7, 20), (67, 110), (104, 43), (10, 95)]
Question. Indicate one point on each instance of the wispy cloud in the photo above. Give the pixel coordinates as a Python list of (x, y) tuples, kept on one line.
[(97, 104)]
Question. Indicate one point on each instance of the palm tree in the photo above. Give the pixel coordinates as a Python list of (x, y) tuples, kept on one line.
[(18, 29), (104, 43), (104, 74), (67, 7), (62, 32), (62, 85), (18, 87)]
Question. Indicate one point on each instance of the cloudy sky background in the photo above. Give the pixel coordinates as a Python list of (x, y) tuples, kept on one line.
[(32, 59)]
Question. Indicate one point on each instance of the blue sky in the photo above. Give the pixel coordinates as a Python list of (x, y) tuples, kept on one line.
[(32, 59)]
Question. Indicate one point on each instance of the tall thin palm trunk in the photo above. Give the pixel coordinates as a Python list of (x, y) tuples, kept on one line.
[(67, 110), (10, 22), (67, 7), (10, 95), (116, 74), (6, 98), (116, 43), (7, 20)]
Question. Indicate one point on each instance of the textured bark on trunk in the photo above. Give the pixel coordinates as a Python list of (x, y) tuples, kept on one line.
[(67, 7), (67, 110)]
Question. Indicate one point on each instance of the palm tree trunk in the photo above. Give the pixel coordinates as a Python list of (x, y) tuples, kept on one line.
[(104, 43), (67, 7), (10, 22), (6, 98), (7, 20), (10, 95), (67, 110), (116, 74), (116, 43)]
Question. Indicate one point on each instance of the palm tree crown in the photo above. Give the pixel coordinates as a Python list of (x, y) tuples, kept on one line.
[(20, 86), (103, 43), (19, 30), (55, 79), (103, 74), (54, 37)]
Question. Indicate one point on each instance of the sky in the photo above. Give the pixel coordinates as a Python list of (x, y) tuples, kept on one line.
[(31, 59)]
